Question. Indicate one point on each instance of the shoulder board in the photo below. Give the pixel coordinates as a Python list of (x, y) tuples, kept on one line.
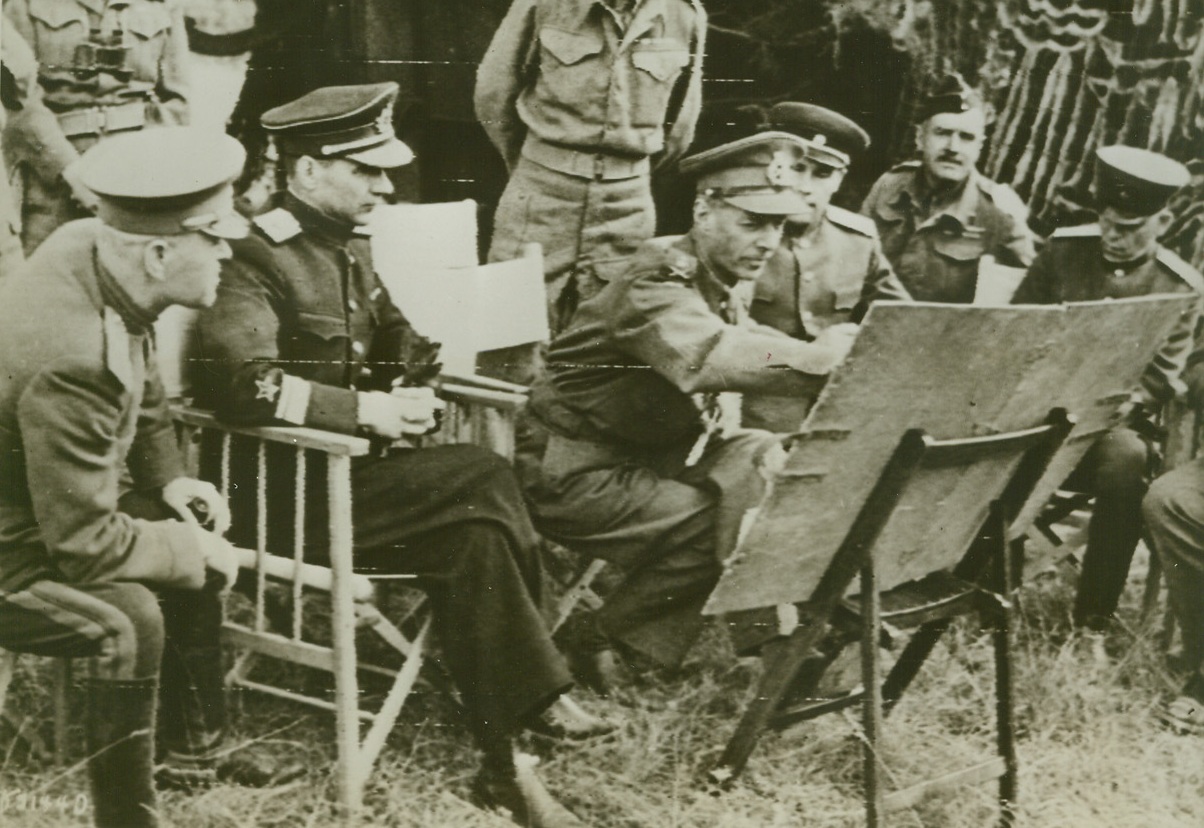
[(1172, 262), (1004, 197), (279, 225), (906, 166), (849, 220), (1082, 231), (664, 257)]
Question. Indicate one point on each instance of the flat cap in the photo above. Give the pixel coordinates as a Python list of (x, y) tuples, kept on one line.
[(757, 173), (167, 181), (951, 94), (1136, 182), (353, 122), (832, 139)]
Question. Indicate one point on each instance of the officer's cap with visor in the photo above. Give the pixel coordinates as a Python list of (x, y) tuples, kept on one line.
[(1136, 183), (167, 182), (352, 122), (950, 94), (756, 174), (832, 139)]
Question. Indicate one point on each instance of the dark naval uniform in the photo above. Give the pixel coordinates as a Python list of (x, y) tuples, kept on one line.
[(104, 68), (1071, 268), (301, 323), (935, 249), (826, 276), (642, 469)]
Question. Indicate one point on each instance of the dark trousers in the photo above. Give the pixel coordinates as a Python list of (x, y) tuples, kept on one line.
[(1174, 514), (1115, 471), (454, 516)]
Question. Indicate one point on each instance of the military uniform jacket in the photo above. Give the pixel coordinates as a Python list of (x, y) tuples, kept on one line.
[(301, 323), (935, 249), (626, 369), (80, 405), (157, 61), (825, 277), (571, 74), (1071, 268)]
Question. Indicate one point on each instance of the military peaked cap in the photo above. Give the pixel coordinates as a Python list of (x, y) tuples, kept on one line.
[(1136, 182), (832, 139), (757, 173), (353, 122), (167, 181), (951, 94)]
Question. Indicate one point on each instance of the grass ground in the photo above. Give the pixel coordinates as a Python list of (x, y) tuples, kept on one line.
[(1092, 754)]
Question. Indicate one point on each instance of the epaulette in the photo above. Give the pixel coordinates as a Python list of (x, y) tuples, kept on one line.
[(1082, 231), (679, 265), (279, 225), (662, 257), (1172, 262), (849, 220), (1005, 198)]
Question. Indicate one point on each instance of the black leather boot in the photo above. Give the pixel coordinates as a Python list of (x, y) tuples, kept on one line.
[(121, 725)]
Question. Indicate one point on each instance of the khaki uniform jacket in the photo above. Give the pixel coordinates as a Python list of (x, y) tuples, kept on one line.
[(301, 323), (1071, 268), (626, 369), (81, 405), (935, 252), (566, 72), (826, 277), (54, 28)]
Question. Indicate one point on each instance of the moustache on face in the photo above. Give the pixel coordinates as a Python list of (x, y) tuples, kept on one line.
[(950, 156)]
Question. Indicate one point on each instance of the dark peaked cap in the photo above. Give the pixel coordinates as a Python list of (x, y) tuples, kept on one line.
[(353, 122), (951, 94), (832, 138), (1136, 182), (167, 181)]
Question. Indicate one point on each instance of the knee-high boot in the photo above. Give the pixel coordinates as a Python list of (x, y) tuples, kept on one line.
[(121, 725)]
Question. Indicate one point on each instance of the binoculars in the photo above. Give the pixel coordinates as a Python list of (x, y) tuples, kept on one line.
[(103, 52)]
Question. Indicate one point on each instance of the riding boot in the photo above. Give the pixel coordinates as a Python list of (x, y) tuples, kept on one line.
[(121, 721)]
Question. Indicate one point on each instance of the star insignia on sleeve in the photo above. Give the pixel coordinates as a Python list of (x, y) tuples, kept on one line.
[(266, 389)]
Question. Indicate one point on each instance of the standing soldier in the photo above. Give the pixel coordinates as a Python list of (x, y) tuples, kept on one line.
[(643, 467), (105, 67), (100, 556), (582, 98), (1119, 258), (938, 216), (830, 266)]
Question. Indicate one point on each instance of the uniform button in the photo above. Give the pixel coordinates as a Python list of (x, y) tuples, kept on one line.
[(353, 305), (358, 348), (808, 275)]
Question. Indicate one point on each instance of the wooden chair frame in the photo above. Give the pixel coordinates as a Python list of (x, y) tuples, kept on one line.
[(787, 660), (479, 410)]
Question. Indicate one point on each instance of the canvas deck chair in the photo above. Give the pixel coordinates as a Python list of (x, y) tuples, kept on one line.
[(922, 470), (480, 411)]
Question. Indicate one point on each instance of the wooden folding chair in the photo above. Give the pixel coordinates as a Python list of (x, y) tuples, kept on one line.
[(980, 581)]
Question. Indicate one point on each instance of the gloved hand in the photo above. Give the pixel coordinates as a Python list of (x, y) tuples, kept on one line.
[(404, 411), (186, 494), (219, 555)]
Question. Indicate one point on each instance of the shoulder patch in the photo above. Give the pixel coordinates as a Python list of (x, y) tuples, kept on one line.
[(1176, 265), (279, 225), (849, 220), (1082, 231)]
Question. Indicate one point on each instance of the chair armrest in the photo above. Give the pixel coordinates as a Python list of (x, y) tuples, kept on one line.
[(330, 442), (485, 391)]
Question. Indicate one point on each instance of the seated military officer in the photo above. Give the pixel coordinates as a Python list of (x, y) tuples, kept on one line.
[(99, 555), (1115, 259), (830, 266), (938, 216), (642, 467), (304, 333)]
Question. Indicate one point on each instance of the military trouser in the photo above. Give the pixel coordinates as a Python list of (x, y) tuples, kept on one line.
[(586, 228), (1174, 515), (668, 526), (1115, 471)]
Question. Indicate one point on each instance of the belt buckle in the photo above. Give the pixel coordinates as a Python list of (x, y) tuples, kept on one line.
[(599, 166)]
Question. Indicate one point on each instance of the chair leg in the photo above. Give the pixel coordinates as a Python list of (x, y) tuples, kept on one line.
[(917, 650), (871, 678), (62, 688), (782, 659), (1004, 690)]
